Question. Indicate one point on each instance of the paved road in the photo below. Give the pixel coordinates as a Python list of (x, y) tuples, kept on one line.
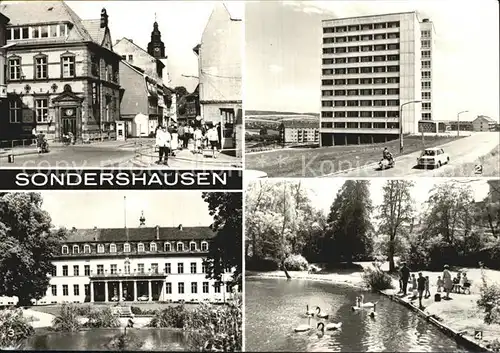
[(72, 157), (465, 150)]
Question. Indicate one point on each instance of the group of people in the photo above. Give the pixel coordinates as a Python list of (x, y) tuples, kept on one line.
[(195, 138), (420, 285)]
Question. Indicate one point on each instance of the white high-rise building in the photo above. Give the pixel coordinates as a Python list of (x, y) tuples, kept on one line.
[(371, 67)]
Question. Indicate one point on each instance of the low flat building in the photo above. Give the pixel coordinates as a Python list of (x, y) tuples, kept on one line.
[(484, 123), (299, 131), (62, 73), (149, 264)]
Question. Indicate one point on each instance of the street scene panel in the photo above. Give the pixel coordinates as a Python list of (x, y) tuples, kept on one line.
[(163, 274), (372, 265), (358, 89), (96, 84)]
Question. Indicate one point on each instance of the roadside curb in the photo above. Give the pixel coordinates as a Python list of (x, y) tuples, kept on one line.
[(458, 336)]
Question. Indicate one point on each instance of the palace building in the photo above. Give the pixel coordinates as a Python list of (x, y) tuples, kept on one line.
[(62, 73), (149, 264)]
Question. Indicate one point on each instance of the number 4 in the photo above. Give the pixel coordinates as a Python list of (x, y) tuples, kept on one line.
[(478, 335)]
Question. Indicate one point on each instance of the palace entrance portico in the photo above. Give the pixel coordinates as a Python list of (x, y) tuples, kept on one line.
[(119, 287)]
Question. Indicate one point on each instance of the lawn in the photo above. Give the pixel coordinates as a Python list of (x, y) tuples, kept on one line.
[(490, 164), (325, 160)]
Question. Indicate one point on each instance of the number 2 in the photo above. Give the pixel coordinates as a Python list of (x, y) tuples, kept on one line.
[(478, 169)]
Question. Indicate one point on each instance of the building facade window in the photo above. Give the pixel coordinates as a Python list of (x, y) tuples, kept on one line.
[(194, 287), (65, 270), (14, 69), (168, 288), (167, 247), (140, 247), (180, 268), (76, 270), (86, 270), (41, 67), (53, 289), (126, 247), (76, 249), (426, 85), (204, 246), (426, 95), (100, 269), (426, 116), (76, 289), (65, 290), (426, 34), (180, 287), (168, 268), (426, 44), (114, 269), (64, 250), (426, 64), (140, 268), (15, 111), (193, 267), (180, 247), (426, 75), (86, 249), (192, 246), (426, 54), (426, 106), (42, 110), (154, 268), (68, 66), (112, 248), (152, 247), (217, 287), (100, 248)]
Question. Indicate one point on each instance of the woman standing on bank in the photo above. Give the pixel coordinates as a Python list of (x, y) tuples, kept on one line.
[(448, 283)]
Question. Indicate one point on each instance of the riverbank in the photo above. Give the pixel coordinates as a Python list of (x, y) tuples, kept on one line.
[(460, 314)]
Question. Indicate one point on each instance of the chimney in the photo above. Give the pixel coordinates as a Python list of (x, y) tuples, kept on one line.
[(180, 227), (130, 40), (157, 232), (425, 20), (95, 233), (104, 18)]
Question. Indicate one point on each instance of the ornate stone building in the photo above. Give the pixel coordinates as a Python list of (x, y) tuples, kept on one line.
[(62, 73)]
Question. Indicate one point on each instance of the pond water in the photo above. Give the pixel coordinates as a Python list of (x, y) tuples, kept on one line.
[(274, 307), (98, 339)]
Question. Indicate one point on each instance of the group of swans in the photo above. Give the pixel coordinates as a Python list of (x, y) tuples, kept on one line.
[(360, 305), (321, 326)]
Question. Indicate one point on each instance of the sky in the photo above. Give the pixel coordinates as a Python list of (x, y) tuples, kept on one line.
[(181, 24), (420, 192), (283, 52), (106, 209)]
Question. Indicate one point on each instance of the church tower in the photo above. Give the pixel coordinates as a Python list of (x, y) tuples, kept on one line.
[(156, 47)]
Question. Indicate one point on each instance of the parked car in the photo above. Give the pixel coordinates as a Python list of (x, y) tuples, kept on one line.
[(143, 298), (433, 157), (115, 299)]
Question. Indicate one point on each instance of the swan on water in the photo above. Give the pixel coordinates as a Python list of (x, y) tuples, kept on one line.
[(365, 305), (309, 312), (303, 327), (372, 314), (329, 327), (357, 306), (319, 314)]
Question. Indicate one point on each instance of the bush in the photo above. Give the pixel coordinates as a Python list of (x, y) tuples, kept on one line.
[(83, 310), (103, 318), (296, 263), (216, 328), (14, 329), (67, 320), (489, 301), (172, 316), (376, 279), (138, 311)]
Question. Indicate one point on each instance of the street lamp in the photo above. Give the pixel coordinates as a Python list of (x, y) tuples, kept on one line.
[(401, 124), (458, 121)]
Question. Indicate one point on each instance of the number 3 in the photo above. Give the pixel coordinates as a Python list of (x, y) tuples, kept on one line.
[(10, 333)]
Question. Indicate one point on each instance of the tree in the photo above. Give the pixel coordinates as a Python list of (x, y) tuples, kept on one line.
[(263, 131), (180, 92), (27, 246), (225, 251), (349, 222), (395, 211)]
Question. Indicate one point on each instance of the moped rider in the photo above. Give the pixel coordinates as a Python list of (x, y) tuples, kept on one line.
[(387, 155)]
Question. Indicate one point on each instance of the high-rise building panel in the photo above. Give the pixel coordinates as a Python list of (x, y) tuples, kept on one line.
[(427, 44), (371, 67)]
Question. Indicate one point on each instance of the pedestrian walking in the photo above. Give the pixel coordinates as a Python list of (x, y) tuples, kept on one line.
[(427, 285), (405, 276), (182, 141), (163, 139), (198, 136), (421, 281), (448, 283), (213, 140)]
